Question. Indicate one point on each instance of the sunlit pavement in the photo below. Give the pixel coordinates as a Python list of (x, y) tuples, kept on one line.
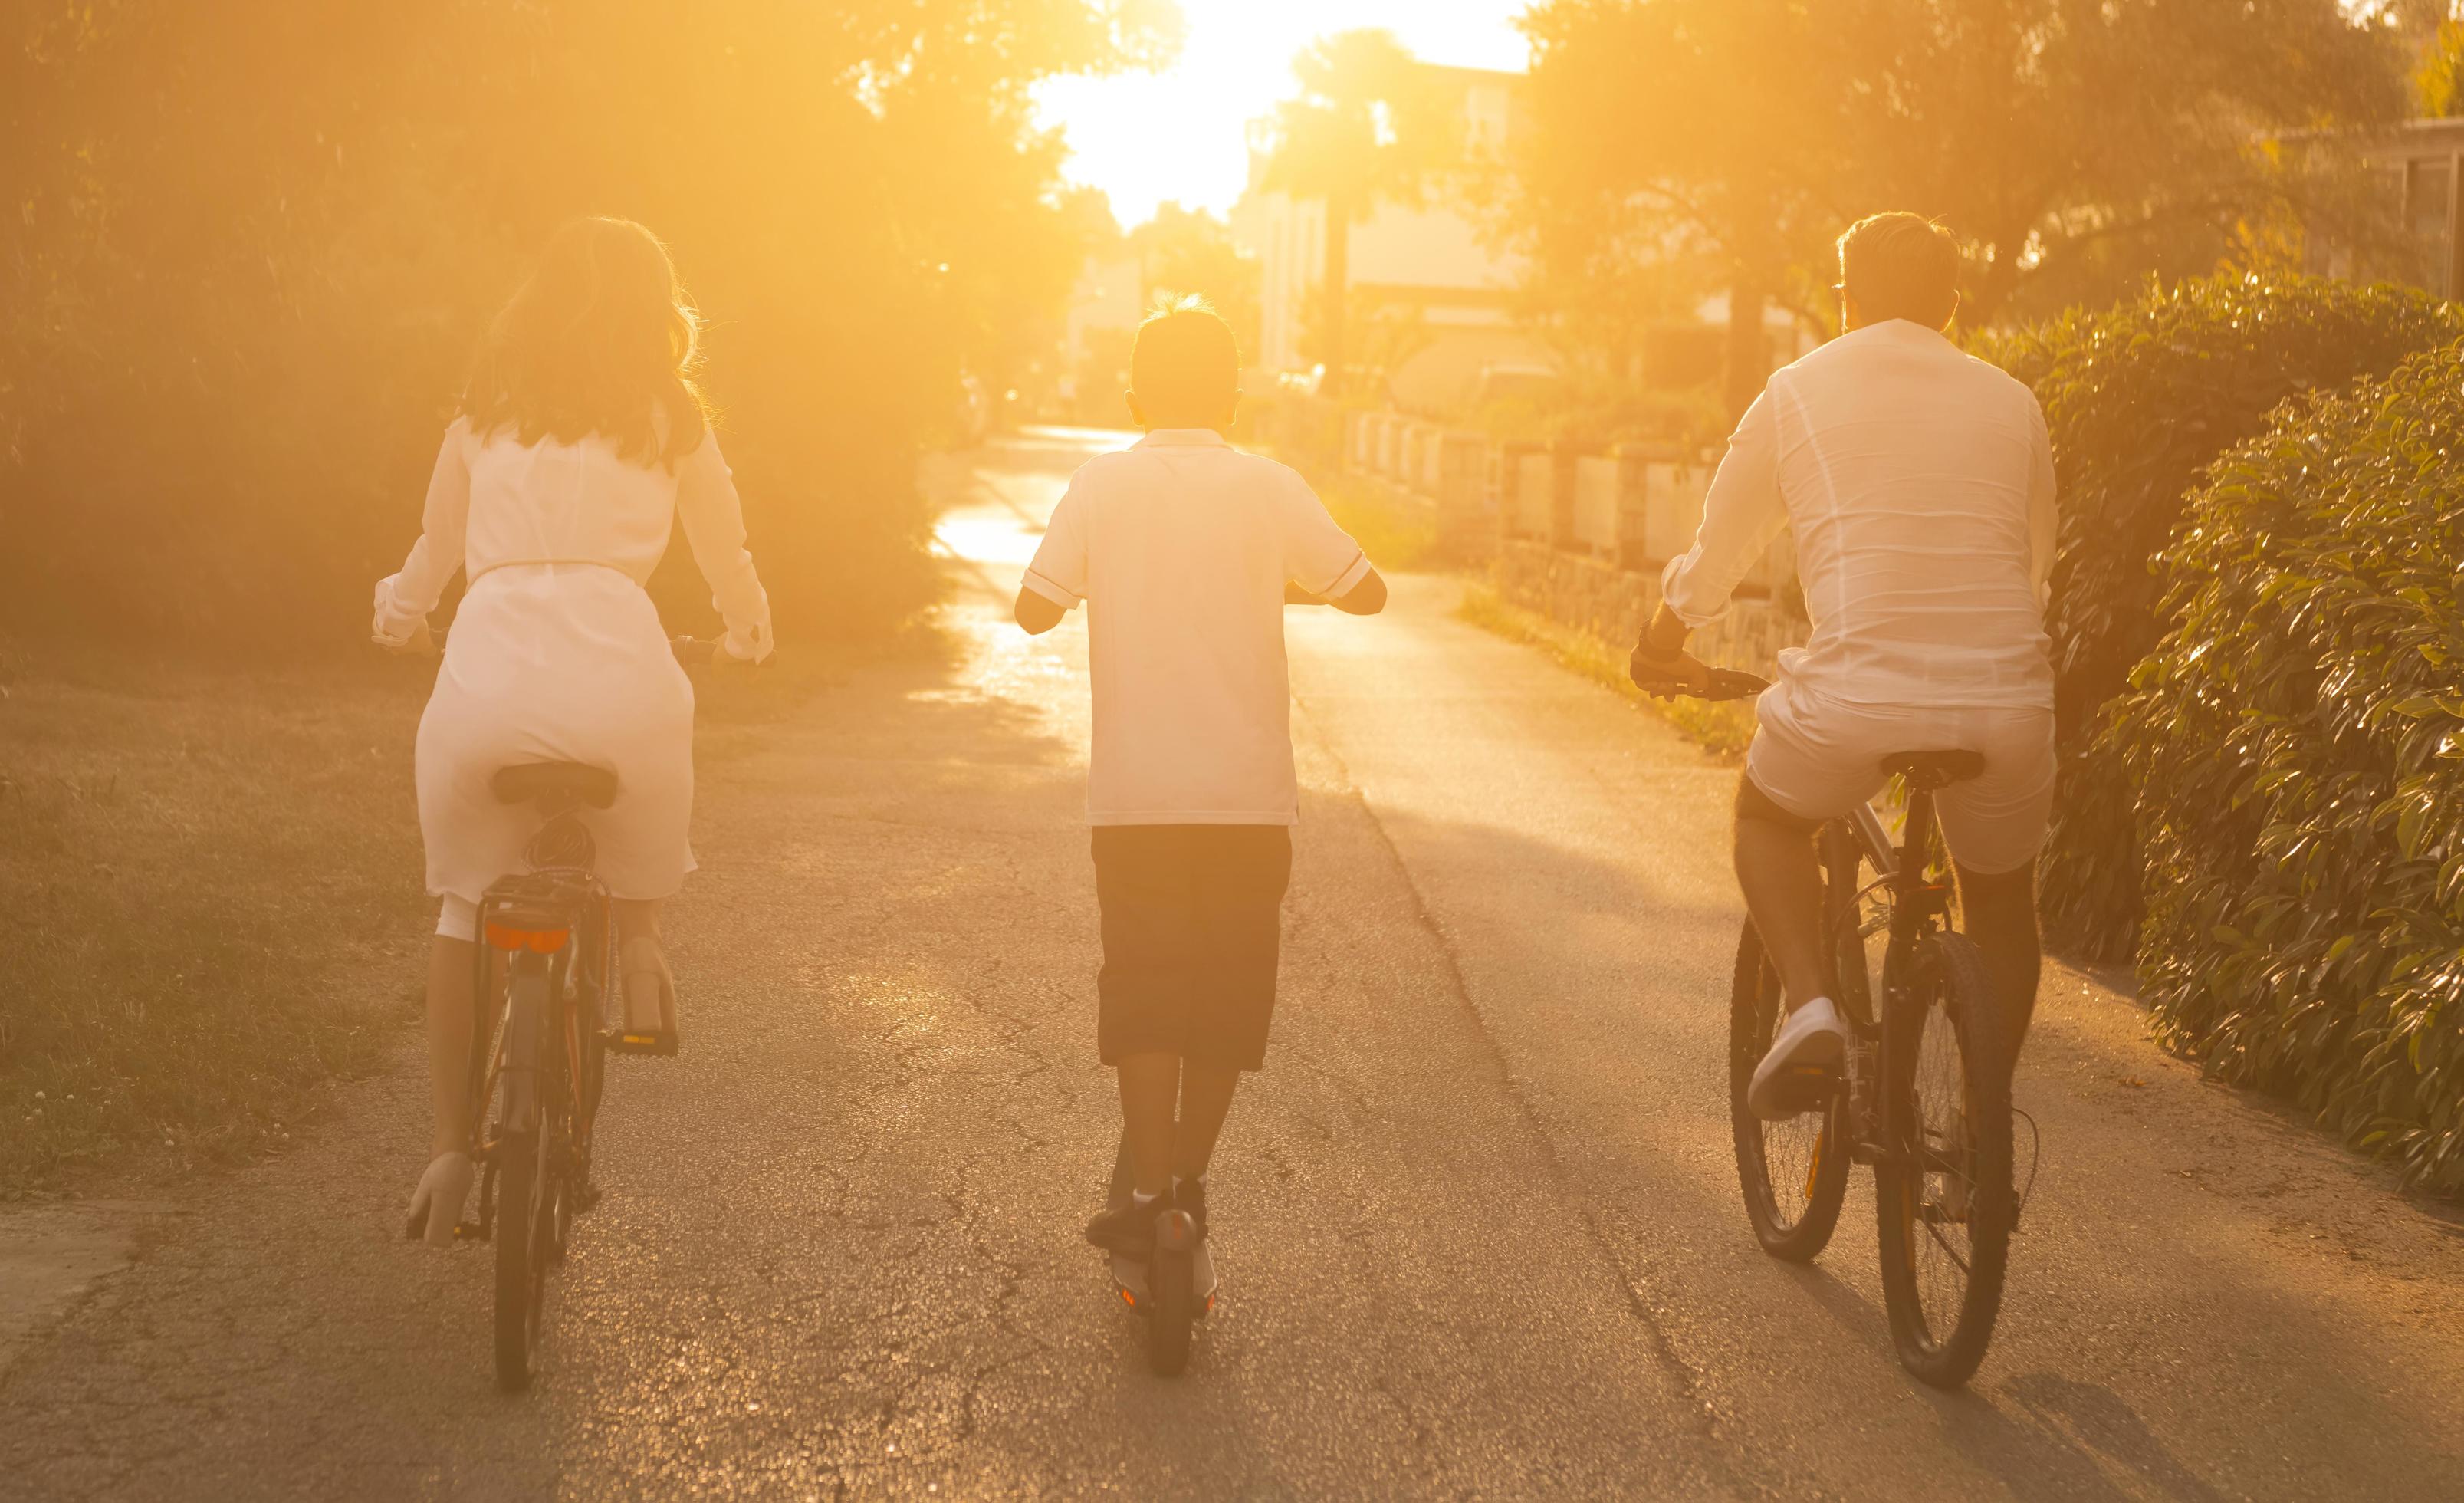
[(1478, 1220)]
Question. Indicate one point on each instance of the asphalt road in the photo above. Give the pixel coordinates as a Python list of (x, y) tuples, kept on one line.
[(1478, 1220)]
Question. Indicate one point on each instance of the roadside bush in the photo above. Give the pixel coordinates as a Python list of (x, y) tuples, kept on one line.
[(2298, 742), (2140, 399)]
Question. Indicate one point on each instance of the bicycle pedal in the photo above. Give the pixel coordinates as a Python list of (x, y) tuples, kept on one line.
[(658, 1046)]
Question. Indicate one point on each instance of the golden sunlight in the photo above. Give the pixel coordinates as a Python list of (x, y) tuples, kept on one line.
[(1179, 135)]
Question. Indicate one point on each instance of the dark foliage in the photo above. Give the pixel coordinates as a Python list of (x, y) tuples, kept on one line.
[(252, 243), (2299, 746), (2139, 400)]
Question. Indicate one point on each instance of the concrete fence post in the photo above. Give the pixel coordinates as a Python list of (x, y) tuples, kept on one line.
[(1633, 549)]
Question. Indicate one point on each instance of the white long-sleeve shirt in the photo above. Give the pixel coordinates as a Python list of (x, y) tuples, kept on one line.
[(499, 503), (1919, 482)]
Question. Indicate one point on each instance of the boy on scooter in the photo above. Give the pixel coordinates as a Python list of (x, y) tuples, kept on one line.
[(1187, 550)]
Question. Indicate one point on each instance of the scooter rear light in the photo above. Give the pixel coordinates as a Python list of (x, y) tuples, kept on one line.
[(545, 941)]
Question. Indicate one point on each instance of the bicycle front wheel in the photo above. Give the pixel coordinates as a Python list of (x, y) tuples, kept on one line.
[(1943, 1192), (1795, 1173)]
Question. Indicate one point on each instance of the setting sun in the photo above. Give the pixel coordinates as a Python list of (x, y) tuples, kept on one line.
[(1179, 135)]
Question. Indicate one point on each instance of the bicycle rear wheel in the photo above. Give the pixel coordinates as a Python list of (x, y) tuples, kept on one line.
[(1943, 1195), (1795, 1173), (526, 1222)]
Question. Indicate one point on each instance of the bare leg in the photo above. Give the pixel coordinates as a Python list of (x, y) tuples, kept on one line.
[(637, 918), (450, 1005), (1782, 879), (2001, 916), (1206, 1100), (1150, 1091)]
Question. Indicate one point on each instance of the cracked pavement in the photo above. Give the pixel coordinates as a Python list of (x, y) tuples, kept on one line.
[(1478, 1220)]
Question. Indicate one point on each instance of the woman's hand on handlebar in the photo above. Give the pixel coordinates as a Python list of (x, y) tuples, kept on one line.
[(421, 643), (693, 652)]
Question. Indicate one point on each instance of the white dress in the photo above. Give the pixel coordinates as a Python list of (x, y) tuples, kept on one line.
[(557, 653)]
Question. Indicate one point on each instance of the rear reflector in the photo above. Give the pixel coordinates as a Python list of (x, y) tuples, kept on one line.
[(546, 941)]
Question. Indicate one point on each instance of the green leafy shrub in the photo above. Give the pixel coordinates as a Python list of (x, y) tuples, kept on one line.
[(2140, 399), (2299, 746)]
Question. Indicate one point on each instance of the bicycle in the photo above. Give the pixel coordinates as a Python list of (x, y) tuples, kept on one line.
[(545, 973), (1923, 1094)]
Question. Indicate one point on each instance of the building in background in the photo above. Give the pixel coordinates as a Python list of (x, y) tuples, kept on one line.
[(2415, 176), (1431, 305), (1096, 336)]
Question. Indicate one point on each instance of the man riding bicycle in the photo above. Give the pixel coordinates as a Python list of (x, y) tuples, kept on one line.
[(1918, 483)]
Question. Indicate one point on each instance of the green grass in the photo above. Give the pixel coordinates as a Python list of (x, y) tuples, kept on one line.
[(213, 902), (210, 902), (1725, 729), (1395, 535)]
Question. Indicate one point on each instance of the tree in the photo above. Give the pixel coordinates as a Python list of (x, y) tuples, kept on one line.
[(1369, 126), (1677, 134), (2074, 147), (1189, 252), (250, 245)]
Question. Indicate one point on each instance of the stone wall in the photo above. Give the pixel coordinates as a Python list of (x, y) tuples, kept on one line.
[(1612, 604), (1577, 533)]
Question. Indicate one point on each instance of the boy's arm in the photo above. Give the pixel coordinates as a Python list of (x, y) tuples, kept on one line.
[(1366, 598), (1036, 614), (1056, 578)]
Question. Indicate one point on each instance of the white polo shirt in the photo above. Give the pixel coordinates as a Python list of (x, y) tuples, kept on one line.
[(1180, 546), (1919, 482)]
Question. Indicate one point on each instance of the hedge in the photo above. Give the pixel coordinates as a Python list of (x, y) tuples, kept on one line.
[(2140, 399), (2299, 746)]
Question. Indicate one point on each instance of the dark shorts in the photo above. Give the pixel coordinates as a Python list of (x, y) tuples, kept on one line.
[(1193, 927)]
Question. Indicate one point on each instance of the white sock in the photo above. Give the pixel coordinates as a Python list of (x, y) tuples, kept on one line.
[(1140, 1199)]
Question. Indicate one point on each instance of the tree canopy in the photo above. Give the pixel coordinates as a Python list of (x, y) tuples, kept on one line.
[(2074, 145), (252, 244)]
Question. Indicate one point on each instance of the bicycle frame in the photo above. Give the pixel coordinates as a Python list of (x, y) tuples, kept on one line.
[(1917, 906), (546, 937)]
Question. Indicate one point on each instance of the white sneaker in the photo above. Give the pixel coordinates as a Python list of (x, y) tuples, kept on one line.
[(1811, 1038)]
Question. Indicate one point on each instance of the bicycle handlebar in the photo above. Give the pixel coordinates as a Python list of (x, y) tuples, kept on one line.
[(1727, 684)]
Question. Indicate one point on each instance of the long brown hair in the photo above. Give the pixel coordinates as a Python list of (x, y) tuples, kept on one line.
[(599, 341)]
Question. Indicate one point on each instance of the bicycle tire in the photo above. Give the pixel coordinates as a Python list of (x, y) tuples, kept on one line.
[(1793, 1221), (1951, 993), (520, 1208)]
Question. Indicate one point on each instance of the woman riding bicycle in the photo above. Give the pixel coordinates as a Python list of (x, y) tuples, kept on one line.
[(582, 442)]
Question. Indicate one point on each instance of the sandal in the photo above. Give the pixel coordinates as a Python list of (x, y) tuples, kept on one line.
[(436, 1205), (649, 1021)]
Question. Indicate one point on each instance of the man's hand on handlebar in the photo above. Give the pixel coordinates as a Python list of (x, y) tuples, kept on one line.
[(1661, 666), (1667, 675)]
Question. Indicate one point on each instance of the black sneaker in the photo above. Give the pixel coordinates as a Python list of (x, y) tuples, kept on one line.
[(1128, 1229), (1190, 1195)]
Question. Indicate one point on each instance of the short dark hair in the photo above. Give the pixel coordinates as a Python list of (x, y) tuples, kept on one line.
[(1185, 364), (1901, 266)]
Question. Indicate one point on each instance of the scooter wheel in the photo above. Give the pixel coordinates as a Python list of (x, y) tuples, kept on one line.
[(1172, 1286)]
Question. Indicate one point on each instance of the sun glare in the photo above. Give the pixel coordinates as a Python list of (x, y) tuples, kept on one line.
[(1146, 138)]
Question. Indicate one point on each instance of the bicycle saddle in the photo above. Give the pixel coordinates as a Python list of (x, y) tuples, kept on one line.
[(530, 782), (1935, 769)]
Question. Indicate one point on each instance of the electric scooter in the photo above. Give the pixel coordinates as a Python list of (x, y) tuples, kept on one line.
[(1175, 1289)]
